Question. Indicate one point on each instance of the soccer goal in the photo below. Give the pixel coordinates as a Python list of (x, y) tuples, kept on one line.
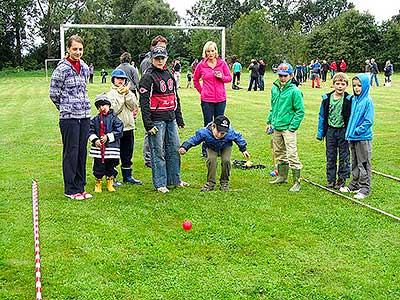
[(65, 27), (46, 65)]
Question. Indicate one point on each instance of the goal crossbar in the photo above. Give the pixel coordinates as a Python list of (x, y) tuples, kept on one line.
[(65, 27)]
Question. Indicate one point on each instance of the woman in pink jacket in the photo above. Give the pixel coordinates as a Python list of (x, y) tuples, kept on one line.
[(214, 73)]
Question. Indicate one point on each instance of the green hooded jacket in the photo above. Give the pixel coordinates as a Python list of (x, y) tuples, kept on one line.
[(287, 107)]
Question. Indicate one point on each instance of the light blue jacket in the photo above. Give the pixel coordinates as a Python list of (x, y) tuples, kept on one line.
[(362, 113)]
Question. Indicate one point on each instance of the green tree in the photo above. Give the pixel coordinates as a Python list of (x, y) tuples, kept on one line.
[(352, 36), (214, 13), (15, 16), (389, 48), (248, 43)]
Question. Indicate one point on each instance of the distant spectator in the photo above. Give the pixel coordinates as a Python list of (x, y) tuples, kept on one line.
[(368, 67), (189, 77), (343, 66), (315, 74), (261, 71), (374, 72), (103, 75), (194, 65), (333, 68), (177, 73), (130, 71), (237, 69), (254, 75), (324, 70), (388, 69), (91, 73)]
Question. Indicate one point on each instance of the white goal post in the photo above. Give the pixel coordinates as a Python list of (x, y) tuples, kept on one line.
[(65, 27)]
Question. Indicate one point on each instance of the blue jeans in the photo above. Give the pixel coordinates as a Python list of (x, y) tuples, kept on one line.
[(374, 75), (165, 159), (211, 110), (261, 82)]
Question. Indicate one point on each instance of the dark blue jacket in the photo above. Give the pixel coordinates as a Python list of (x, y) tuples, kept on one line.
[(205, 135), (324, 113), (114, 131)]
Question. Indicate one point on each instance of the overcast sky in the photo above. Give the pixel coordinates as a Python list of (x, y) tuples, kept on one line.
[(381, 9)]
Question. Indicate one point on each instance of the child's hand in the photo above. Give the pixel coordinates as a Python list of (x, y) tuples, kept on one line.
[(246, 154), (123, 90), (98, 143), (153, 131), (104, 139), (268, 128), (182, 151)]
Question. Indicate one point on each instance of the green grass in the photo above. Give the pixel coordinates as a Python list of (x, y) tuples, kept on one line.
[(255, 242)]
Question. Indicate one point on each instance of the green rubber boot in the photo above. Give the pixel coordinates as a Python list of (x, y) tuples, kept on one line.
[(296, 181), (283, 170)]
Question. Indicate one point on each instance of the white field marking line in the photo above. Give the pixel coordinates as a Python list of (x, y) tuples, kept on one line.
[(352, 199), (35, 215), (386, 175)]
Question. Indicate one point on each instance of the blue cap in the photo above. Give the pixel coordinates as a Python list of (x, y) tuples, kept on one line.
[(285, 69), (159, 51), (118, 73)]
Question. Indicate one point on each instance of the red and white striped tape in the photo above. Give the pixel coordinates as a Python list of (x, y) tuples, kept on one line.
[(35, 214)]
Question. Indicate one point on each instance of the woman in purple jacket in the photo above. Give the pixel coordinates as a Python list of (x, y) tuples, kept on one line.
[(68, 91), (214, 73)]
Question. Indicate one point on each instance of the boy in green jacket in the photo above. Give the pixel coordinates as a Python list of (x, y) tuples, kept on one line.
[(285, 116)]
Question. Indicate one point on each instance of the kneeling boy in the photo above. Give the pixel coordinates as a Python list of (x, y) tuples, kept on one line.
[(217, 137)]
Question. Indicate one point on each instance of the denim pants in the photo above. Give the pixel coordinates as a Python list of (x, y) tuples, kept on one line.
[(75, 134), (261, 82), (211, 110), (374, 76), (165, 158), (335, 141)]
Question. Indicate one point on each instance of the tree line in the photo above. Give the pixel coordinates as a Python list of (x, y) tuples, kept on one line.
[(274, 30)]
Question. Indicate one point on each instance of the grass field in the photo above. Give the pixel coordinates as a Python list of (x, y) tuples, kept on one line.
[(254, 242)]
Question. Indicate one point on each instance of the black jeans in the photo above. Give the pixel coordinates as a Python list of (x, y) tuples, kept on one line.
[(335, 143), (74, 133), (126, 149)]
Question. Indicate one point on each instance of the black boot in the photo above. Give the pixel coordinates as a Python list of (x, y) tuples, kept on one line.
[(127, 177)]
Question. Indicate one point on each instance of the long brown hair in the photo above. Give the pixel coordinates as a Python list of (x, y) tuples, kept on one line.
[(75, 38)]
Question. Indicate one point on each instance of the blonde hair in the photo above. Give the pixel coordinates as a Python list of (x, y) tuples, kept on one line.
[(207, 46), (340, 76)]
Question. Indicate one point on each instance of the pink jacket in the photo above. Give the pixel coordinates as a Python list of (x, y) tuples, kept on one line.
[(213, 88)]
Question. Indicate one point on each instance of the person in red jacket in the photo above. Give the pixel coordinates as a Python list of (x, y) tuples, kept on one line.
[(333, 68), (343, 66), (214, 72)]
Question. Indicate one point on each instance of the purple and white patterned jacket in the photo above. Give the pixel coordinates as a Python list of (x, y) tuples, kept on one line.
[(68, 90)]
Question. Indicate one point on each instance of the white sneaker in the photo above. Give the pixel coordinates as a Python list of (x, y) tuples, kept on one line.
[(163, 190), (359, 196), (346, 189)]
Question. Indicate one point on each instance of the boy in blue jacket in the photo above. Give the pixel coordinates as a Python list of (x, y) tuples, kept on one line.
[(217, 137), (333, 118), (359, 134)]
